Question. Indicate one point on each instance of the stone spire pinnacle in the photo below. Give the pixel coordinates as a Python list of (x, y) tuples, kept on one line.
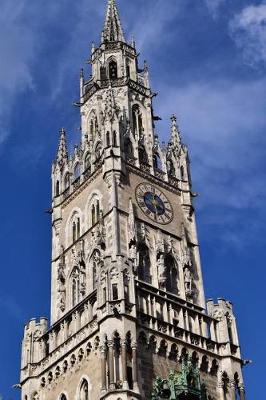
[(62, 153), (112, 31), (175, 133)]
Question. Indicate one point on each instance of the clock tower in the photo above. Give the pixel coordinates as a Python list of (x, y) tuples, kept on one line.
[(128, 313)]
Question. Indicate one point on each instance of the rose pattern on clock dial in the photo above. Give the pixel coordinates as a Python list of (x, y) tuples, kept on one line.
[(154, 203)]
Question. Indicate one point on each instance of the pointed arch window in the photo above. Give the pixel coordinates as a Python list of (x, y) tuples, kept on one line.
[(57, 188), (128, 69), (182, 172), (75, 290), (171, 274), (114, 139), (144, 270), (225, 385), (94, 210), (129, 148), (103, 75), (84, 390), (75, 228), (137, 121), (237, 387), (113, 70), (67, 181), (108, 141)]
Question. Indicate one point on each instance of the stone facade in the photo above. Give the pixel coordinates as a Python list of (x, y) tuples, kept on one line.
[(127, 296)]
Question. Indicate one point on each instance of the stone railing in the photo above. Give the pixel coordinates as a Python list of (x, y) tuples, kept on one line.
[(80, 323), (166, 313), (166, 328), (174, 182), (159, 174)]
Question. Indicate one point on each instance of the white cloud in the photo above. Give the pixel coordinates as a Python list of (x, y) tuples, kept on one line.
[(248, 29), (214, 6), (223, 122), (224, 125), (17, 48)]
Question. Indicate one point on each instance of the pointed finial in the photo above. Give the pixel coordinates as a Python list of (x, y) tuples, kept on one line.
[(62, 153), (112, 31), (133, 42), (175, 133), (81, 73), (92, 47), (145, 66)]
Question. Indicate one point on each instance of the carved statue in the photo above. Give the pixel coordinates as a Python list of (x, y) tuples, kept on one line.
[(61, 279), (188, 280), (131, 223), (161, 271)]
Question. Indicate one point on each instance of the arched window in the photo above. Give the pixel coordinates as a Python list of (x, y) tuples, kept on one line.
[(57, 188), (75, 228), (93, 215), (75, 290), (225, 384), (144, 270), (113, 70), (108, 142), (129, 148), (94, 210), (103, 75), (94, 274), (143, 157), (67, 181), (63, 397), (77, 171), (171, 274), (237, 391), (84, 390), (182, 173), (114, 139), (128, 69), (93, 126), (97, 210), (137, 121), (230, 331)]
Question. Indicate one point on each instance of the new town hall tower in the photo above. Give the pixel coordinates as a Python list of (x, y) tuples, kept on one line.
[(128, 314)]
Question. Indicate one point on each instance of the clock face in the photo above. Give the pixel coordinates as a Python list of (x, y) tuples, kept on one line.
[(154, 203)]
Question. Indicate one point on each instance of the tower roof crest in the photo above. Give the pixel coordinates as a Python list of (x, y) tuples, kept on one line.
[(113, 31), (62, 153)]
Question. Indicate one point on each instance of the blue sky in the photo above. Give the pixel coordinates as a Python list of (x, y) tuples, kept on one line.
[(208, 61)]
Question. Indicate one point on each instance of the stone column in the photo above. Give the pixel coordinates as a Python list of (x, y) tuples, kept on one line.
[(124, 363), (242, 392), (77, 321), (111, 363), (134, 366), (103, 366)]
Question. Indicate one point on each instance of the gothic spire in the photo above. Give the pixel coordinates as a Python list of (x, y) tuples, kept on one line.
[(62, 153), (112, 31), (175, 133)]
